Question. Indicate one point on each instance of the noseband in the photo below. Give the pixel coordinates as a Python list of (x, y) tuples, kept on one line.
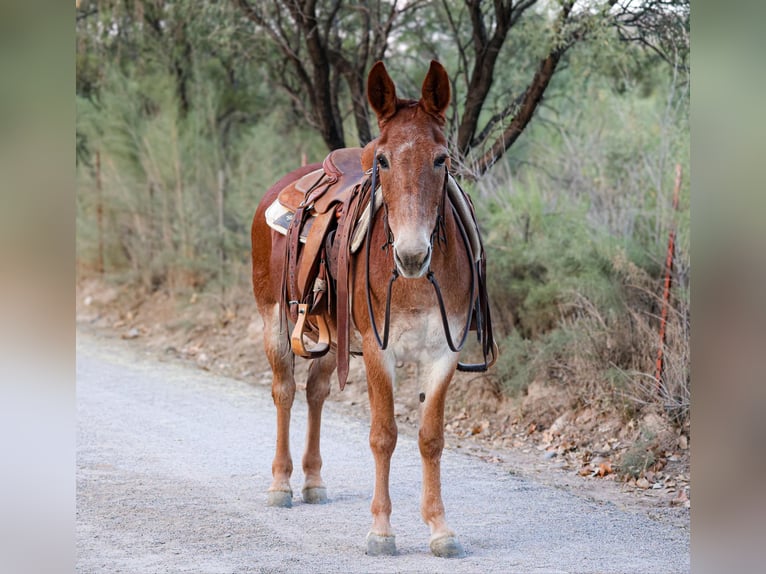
[(439, 234)]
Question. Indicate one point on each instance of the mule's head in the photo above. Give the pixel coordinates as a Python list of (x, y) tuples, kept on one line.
[(412, 159)]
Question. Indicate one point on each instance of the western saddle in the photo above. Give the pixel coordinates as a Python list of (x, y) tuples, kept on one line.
[(317, 213), (324, 216)]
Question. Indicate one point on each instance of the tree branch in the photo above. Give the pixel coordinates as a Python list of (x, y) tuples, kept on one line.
[(520, 8), (456, 37), (496, 119), (486, 52), (279, 40), (528, 102)]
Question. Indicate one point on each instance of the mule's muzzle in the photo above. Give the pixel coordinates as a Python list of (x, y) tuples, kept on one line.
[(412, 264)]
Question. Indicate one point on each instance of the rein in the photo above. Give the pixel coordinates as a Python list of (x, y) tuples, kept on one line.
[(382, 343), (442, 238)]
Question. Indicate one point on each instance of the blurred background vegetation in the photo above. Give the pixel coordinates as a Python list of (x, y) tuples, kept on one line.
[(188, 111)]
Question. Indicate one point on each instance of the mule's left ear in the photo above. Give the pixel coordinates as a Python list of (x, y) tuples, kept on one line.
[(435, 94)]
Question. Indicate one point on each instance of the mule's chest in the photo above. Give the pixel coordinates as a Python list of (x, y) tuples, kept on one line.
[(418, 335)]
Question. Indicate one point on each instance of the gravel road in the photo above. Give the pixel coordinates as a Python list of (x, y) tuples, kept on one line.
[(173, 465)]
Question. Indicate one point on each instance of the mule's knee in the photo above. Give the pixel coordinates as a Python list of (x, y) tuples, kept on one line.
[(283, 394), (431, 446), (383, 438)]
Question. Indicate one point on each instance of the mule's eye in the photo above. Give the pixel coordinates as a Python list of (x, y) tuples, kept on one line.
[(382, 162), (440, 160)]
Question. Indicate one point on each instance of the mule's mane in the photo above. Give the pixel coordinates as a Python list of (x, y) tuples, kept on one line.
[(405, 103)]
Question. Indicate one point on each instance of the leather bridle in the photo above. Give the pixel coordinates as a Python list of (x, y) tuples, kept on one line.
[(438, 233)]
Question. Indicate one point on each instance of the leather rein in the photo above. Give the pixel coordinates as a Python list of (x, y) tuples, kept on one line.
[(438, 233)]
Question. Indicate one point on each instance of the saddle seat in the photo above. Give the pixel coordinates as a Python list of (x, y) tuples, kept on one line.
[(322, 188)]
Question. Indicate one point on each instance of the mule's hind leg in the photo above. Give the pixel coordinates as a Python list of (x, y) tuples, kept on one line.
[(282, 363), (317, 389), (443, 543)]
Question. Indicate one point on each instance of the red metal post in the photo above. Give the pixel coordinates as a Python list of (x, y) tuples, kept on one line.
[(668, 282)]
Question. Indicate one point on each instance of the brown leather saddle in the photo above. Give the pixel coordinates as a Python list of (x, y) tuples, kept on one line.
[(314, 210)]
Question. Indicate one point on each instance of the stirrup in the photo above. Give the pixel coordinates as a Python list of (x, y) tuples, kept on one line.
[(296, 340), (480, 367)]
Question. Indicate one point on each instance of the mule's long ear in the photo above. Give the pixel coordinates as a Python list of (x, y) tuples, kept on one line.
[(435, 94), (381, 92)]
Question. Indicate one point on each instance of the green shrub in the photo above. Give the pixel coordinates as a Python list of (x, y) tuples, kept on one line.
[(177, 190), (637, 459), (576, 237)]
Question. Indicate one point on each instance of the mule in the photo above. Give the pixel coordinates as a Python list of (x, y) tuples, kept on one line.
[(423, 246)]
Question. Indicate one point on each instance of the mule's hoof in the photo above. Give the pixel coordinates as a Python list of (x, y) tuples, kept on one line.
[(280, 498), (447, 547), (315, 495), (381, 545)]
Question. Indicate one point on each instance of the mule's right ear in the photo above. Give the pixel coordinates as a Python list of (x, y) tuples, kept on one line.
[(381, 92), (436, 90)]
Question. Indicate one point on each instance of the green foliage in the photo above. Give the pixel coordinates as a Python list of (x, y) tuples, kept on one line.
[(524, 360), (540, 254), (576, 227), (161, 173)]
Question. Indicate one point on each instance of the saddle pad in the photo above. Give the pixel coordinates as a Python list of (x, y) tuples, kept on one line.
[(278, 217), (458, 197), (364, 221)]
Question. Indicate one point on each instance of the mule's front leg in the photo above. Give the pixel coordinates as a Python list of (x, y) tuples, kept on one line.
[(383, 434), (443, 543)]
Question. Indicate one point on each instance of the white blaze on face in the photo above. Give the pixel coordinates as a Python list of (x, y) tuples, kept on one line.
[(412, 243), (404, 148)]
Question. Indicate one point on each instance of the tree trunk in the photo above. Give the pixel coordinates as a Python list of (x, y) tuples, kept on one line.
[(359, 102), (480, 84), (221, 197), (325, 106), (100, 213)]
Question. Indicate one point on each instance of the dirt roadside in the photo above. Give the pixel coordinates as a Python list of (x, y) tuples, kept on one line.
[(540, 436)]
